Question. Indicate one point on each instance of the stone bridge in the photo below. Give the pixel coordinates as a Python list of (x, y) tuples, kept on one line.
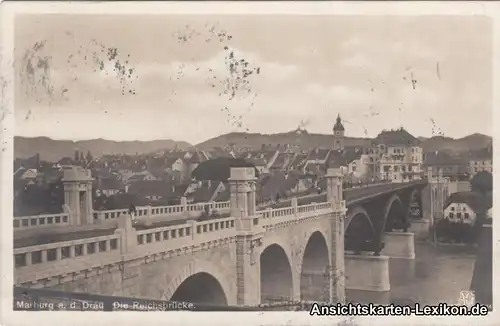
[(251, 257)]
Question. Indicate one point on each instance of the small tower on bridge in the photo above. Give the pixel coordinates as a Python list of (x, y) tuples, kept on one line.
[(77, 195), (337, 270), (248, 236), (338, 134), (242, 189)]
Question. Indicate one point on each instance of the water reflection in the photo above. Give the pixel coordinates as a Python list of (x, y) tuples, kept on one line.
[(435, 275)]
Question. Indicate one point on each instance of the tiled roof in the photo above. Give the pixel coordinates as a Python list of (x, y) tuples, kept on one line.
[(315, 169), (110, 184), (151, 188), (343, 158), (205, 192), (218, 168), (280, 160), (318, 154), (399, 137), (277, 183), (267, 155), (136, 177), (441, 158), (474, 200), (480, 154), (256, 161), (298, 162)]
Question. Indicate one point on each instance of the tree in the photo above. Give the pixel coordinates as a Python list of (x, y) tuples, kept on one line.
[(77, 156), (482, 183)]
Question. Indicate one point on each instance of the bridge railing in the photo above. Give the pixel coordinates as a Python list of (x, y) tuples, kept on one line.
[(63, 258), (185, 236), (273, 216), (51, 259), (142, 212), (145, 212), (41, 221)]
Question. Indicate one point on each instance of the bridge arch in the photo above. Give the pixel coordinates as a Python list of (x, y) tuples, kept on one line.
[(394, 214), (200, 282), (359, 230), (276, 277), (314, 269)]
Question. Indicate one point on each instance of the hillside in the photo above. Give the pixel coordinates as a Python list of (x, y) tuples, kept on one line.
[(474, 141), (255, 141), (307, 140), (53, 150)]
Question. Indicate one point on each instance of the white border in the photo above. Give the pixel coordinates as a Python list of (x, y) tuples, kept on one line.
[(8, 10)]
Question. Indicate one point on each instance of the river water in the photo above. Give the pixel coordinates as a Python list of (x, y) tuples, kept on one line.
[(437, 274)]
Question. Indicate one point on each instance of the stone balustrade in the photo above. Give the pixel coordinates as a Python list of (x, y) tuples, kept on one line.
[(144, 212), (53, 259), (111, 216), (185, 236), (40, 221), (126, 243)]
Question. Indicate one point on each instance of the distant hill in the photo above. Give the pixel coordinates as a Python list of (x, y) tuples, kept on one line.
[(474, 141), (255, 141), (53, 150), (307, 140)]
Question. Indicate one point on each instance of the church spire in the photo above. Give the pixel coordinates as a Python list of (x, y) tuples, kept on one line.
[(338, 125)]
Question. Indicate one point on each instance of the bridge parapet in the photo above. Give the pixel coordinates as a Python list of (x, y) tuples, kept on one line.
[(62, 258), (38, 221), (50, 221), (188, 235)]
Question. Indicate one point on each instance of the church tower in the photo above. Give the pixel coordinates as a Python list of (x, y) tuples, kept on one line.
[(338, 134)]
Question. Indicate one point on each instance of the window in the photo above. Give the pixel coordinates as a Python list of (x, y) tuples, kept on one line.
[(466, 216), (396, 168), (450, 215), (459, 215), (452, 209)]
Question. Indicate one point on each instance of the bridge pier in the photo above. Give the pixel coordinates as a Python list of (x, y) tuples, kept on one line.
[(400, 248), (367, 278), (421, 228)]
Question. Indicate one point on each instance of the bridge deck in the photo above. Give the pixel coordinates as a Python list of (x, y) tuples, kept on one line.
[(38, 237), (349, 194)]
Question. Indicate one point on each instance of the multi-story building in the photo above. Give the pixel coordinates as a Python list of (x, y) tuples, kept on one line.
[(480, 160), (463, 207), (400, 156)]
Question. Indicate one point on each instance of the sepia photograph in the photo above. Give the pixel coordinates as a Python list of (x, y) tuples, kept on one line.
[(252, 161)]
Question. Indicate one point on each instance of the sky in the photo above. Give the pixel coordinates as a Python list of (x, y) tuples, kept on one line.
[(431, 75)]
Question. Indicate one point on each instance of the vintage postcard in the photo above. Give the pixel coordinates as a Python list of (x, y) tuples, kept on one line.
[(270, 163)]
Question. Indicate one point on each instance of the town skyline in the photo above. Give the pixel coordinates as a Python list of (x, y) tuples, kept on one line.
[(235, 132), (375, 80)]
